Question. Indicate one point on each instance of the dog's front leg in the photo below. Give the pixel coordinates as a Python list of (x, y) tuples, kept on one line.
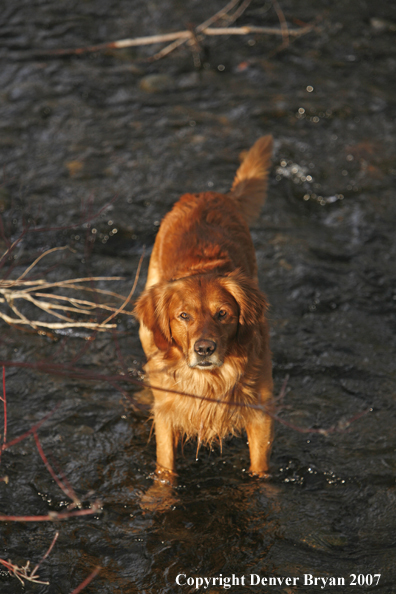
[(165, 448), (260, 432)]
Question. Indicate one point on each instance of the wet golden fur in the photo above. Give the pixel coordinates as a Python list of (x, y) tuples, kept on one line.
[(203, 325)]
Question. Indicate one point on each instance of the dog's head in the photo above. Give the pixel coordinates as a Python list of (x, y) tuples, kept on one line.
[(203, 316)]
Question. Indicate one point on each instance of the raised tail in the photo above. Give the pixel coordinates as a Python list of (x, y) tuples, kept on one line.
[(249, 189)]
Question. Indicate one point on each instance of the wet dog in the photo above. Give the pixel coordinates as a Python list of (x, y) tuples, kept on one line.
[(202, 320)]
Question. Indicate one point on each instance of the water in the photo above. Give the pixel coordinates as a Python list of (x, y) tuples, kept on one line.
[(79, 132)]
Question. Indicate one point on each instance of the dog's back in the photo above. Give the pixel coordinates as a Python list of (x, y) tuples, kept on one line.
[(209, 231)]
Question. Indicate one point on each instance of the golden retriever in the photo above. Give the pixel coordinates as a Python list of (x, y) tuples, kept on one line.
[(202, 321)]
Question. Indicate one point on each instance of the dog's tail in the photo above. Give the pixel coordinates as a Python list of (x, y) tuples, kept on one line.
[(250, 184)]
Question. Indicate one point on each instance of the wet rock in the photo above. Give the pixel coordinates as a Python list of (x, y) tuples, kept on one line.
[(380, 25), (157, 83), (188, 81)]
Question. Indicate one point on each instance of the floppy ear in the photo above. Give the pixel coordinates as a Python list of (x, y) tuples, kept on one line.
[(152, 309), (251, 301)]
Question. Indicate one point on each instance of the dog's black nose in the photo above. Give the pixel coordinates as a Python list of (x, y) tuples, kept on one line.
[(205, 347)]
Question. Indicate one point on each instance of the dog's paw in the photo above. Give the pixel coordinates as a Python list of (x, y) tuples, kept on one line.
[(261, 475), (160, 497)]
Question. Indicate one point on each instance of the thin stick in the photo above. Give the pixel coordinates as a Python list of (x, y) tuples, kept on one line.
[(81, 302), (282, 21), (217, 16), (7, 445), (23, 319), (122, 43), (83, 222), (46, 284), (4, 399), (179, 35), (54, 516), (239, 11), (21, 573), (55, 249), (87, 580), (247, 29), (282, 392), (46, 554), (57, 325), (73, 496), (12, 246), (131, 292), (169, 48), (67, 490)]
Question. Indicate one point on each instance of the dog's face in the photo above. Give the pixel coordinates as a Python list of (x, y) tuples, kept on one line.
[(203, 316), (203, 319)]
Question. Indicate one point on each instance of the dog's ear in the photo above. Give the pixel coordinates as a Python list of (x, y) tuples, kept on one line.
[(251, 301), (152, 309)]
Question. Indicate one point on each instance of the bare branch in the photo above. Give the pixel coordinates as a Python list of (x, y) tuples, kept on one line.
[(46, 554), (282, 21), (33, 292), (54, 516), (55, 249), (178, 38), (23, 573), (87, 581), (122, 307)]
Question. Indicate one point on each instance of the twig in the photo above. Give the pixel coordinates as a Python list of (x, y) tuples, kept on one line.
[(57, 326), (239, 11), (87, 580), (247, 29), (67, 489), (122, 307), (55, 249), (12, 246), (282, 21), (279, 399), (46, 554), (4, 399), (62, 484), (7, 445), (33, 292), (23, 572), (220, 14), (223, 12), (30, 229), (69, 371), (53, 516), (181, 36)]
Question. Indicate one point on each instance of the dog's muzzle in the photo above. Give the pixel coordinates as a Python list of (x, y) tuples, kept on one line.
[(203, 351)]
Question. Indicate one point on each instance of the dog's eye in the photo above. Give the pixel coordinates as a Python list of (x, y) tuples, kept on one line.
[(222, 314), (184, 316)]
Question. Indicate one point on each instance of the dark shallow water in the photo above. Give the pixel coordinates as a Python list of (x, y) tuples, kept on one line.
[(77, 132)]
